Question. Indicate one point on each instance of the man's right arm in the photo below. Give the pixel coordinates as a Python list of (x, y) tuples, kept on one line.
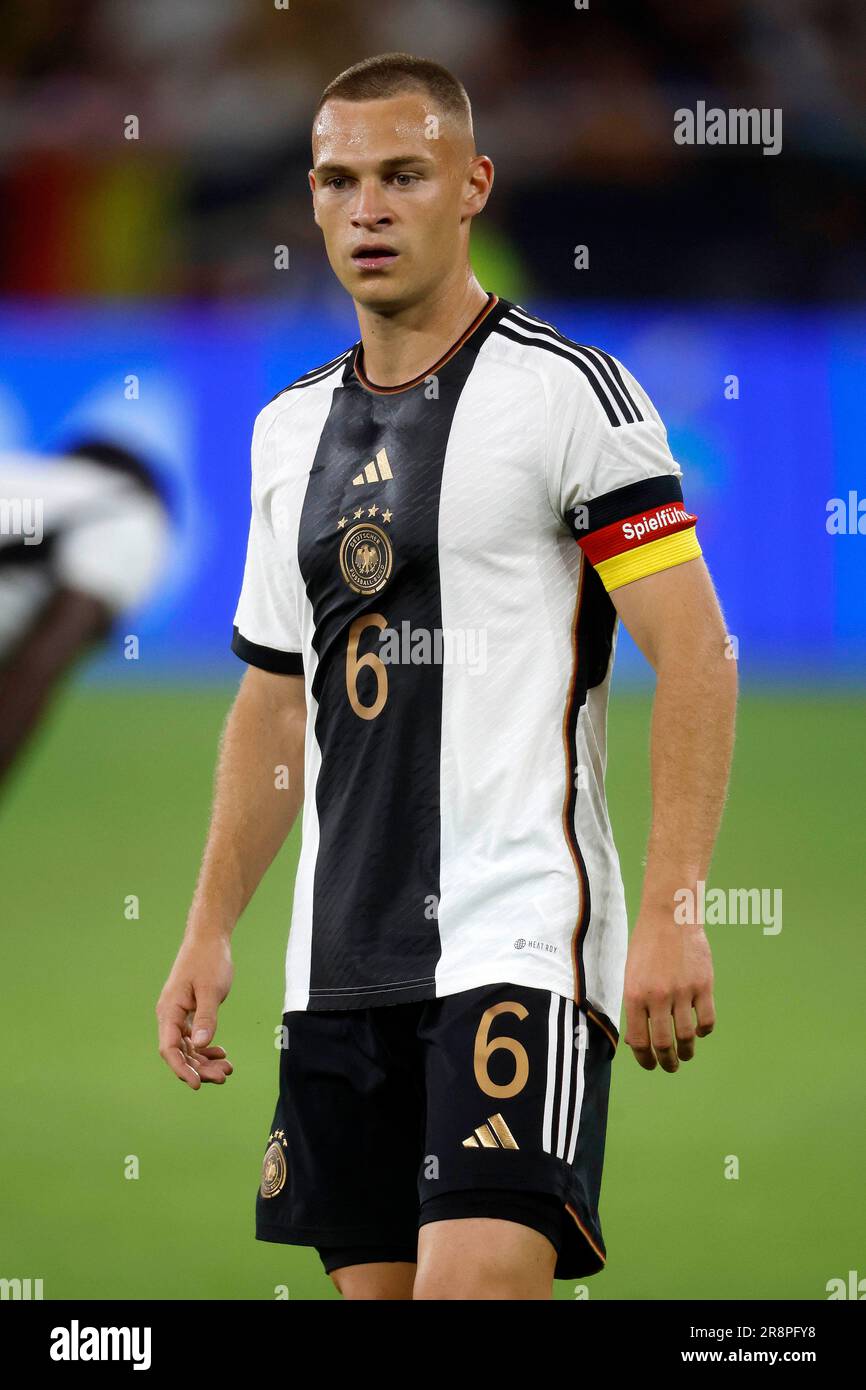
[(259, 789)]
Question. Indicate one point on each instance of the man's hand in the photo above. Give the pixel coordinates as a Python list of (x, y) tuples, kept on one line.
[(200, 979), (668, 975)]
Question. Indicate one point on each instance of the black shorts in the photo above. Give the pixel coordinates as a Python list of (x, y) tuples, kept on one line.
[(490, 1102)]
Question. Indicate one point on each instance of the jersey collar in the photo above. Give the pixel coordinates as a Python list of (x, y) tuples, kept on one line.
[(357, 369)]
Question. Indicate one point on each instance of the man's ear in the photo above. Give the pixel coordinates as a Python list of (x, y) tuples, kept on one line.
[(311, 176)]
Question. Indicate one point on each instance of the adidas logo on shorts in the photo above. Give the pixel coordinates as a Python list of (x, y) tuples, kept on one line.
[(495, 1134)]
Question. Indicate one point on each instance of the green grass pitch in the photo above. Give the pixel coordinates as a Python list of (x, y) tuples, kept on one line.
[(114, 799)]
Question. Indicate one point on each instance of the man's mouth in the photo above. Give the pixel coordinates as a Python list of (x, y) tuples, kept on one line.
[(371, 256)]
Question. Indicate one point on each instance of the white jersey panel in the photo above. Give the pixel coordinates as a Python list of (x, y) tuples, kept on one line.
[(274, 610), (510, 897), (300, 945)]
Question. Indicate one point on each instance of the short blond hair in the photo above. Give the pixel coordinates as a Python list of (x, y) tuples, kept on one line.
[(388, 74)]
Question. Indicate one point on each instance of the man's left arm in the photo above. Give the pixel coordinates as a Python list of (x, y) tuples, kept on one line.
[(675, 619)]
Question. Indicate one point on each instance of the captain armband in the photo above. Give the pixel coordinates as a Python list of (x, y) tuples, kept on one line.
[(636, 530)]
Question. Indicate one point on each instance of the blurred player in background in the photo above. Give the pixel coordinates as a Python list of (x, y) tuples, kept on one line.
[(84, 537)]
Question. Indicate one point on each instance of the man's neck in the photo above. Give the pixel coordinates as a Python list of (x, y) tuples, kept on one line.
[(400, 346)]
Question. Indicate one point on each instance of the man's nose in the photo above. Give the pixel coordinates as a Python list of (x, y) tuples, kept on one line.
[(369, 205)]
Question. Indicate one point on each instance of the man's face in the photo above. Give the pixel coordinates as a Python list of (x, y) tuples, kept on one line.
[(389, 198)]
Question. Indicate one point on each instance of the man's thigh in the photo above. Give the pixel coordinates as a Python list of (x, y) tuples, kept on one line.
[(481, 1258)]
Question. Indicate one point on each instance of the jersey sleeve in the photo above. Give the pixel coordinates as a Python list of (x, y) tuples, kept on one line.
[(615, 482), (266, 631)]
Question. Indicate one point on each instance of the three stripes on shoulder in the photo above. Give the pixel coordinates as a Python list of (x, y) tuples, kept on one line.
[(600, 369)]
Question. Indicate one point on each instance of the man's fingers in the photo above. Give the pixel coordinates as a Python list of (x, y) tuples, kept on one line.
[(705, 1010), (209, 1063), (214, 1072), (171, 1023), (637, 1034), (685, 1029), (213, 1057), (180, 1065), (213, 1051), (665, 1029), (647, 1017), (663, 1036), (205, 1020)]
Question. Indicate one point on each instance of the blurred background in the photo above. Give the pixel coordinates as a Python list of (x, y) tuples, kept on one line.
[(574, 105), (140, 303)]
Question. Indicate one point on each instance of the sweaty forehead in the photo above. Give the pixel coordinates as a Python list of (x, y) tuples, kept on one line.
[(408, 123)]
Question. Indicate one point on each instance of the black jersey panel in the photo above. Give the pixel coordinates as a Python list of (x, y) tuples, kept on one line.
[(368, 551)]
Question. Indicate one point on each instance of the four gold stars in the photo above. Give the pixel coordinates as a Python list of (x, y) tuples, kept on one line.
[(359, 512)]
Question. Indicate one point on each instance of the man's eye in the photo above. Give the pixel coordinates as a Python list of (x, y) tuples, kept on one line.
[(332, 182), (409, 177)]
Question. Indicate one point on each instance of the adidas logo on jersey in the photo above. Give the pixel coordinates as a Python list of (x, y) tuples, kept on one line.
[(495, 1134), (370, 475)]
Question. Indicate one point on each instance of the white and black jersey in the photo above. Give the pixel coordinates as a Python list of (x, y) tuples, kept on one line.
[(436, 559)]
